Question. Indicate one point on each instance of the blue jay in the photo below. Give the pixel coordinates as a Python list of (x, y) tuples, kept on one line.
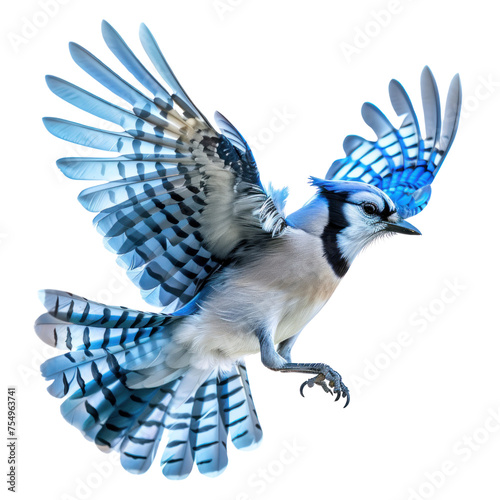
[(185, 211)]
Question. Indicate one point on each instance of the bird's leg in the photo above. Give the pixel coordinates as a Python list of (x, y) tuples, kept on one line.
[(324, 376), (285, 347)]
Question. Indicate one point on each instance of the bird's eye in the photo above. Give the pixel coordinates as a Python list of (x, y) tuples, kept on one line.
[(369, 208)]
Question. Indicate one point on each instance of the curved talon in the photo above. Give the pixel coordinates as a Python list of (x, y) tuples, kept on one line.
[(302, 388), (348, 398), (325, 387), (330, 379)]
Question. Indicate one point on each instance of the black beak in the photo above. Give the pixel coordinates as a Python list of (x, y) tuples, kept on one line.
[(402, 227)]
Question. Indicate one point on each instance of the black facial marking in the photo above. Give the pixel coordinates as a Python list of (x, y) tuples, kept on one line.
[(386, 212), (336, 222)]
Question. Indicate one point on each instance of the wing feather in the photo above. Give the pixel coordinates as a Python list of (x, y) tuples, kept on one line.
[(181, 196), (400, 162)]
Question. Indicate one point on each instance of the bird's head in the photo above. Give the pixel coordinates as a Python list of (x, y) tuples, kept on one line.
[(357, 214)]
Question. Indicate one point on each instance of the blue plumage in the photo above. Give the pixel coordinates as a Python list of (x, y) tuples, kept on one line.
[(183, 208), (401, 163), (107, 345)]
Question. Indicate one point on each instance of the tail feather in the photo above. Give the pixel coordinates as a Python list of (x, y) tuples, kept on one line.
[(141, 441), (64, 335), (74, 370), (88, 412), (238, 408), (177, 459), (124, 417), (70, 308), (210, 431), (121, 395)]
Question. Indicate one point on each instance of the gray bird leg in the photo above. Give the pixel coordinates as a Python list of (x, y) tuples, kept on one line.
[(324, 376), (285, 347)]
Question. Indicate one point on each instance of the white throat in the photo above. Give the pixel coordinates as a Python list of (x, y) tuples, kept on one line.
[(356, 236)]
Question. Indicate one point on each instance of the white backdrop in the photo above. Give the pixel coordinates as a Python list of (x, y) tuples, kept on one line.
[(413, 328)]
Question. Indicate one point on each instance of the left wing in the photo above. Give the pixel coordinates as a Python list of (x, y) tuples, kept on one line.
[(400, 162), (181, 196)]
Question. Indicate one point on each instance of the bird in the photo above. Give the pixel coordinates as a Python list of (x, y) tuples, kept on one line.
[(231, 275)]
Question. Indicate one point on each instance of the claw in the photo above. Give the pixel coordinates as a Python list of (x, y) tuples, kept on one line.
[(327, 381), (325, 387), (302, 388), (348, 398), (310, 383)]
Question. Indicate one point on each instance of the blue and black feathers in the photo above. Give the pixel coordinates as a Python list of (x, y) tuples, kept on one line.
[(176, 205), (150, 209), (107, 346), (402, 162)]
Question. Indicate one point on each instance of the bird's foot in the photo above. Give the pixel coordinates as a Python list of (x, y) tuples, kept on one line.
[(329, 379)]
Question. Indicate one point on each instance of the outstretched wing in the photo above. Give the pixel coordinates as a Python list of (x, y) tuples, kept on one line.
[(181, 196), (400, 162)]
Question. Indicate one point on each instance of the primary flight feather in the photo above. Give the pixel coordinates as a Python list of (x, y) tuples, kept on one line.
[(184, 209)]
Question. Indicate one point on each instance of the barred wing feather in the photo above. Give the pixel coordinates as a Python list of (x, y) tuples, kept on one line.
[(401, 162), (180, 196)]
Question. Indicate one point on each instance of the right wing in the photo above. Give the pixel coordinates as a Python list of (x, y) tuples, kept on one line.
[(401, 162), (181, 196)]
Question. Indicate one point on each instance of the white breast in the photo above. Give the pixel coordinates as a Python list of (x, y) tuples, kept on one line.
[(281, 291)]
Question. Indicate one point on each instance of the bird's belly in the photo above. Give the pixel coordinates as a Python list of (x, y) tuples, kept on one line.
[(227, 328), (280, 294), (296, 316)]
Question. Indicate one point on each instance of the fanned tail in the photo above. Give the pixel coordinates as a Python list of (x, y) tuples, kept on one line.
[(113, 354), (199, 428)]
